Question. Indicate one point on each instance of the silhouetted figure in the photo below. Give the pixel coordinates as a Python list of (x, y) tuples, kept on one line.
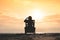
[(29, 25)]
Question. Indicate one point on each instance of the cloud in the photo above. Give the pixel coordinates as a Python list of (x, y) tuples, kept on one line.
[(52, 18), (10, 24)]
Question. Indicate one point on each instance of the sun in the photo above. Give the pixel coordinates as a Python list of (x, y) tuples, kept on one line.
[(37, 14)]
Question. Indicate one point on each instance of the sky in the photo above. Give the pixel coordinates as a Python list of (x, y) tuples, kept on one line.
[(45, 12)]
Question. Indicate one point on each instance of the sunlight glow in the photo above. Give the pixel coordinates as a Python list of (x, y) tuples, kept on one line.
[(37, 14)]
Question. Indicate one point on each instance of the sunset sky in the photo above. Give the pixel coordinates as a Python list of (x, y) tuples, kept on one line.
[(45, 12)]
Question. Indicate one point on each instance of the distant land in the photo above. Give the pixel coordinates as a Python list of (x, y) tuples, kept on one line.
[(22, 36)]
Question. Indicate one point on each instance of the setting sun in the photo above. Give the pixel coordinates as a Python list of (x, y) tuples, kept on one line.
[(37, 14)]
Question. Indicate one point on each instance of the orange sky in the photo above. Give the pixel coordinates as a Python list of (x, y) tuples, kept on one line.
[(13, 13)]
